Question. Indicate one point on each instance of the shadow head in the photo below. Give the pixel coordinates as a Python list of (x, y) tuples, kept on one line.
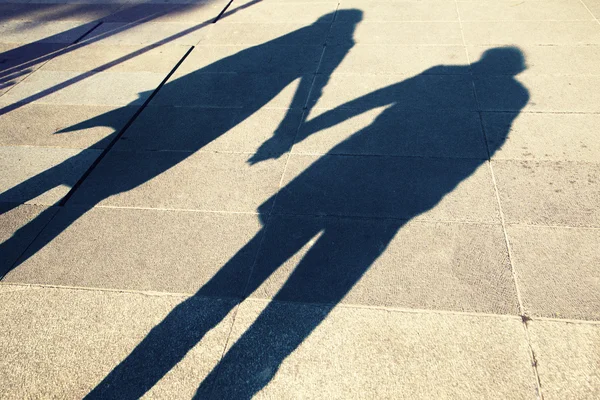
[(497, 68), (504, 60)]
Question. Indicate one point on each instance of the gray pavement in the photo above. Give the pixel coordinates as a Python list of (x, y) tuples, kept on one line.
[(305, 199)]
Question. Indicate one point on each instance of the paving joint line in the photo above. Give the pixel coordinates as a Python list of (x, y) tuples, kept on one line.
[(314, 154), (333, 216), (590, 11), (296, 215), (524, 317), (195, 210), (388, 308), (239, 300), (35, 286), (428, 74), (305, 154), (541, 112), (546, 161), (553, 226)]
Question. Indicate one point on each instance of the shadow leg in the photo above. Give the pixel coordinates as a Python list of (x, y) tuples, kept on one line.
[(182, 329), (325, 275)]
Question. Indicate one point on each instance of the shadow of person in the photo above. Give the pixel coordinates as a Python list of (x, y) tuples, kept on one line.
[(347, 208), (214, 80)]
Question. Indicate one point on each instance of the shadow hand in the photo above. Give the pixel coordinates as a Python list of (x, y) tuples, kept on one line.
[(267, 151)]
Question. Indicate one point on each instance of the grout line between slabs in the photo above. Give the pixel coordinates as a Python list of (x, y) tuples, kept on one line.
[(306, 215), (312, 154), (25, 286), (524, 318), (416, 21), (590, 11)]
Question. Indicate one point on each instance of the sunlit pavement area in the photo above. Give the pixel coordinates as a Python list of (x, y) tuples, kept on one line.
[(300, 199)]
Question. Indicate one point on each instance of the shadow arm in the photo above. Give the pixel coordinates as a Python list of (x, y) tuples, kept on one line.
[(378, 98)]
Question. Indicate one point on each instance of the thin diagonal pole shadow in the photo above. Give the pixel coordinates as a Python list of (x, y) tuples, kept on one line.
[(90, 37), (383, 191), (48, 48)]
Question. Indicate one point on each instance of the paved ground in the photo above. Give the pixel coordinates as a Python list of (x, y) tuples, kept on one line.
[(305, 199)]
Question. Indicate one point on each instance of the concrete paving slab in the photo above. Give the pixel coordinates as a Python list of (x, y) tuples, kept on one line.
[(549, 193), (423, 92), (408, 33), (19, 225), (124, 33), (542, 60), (265, 59), (60, 343), (94, 57), (43, 32), (531, 32), (454, 134), (399, 187), (205, 129), (150, 250), (393, 59), (66, 126), (547, 93), (37, 175), (402, 10), (251, 34), (357, 353), (80, 88), (461, 267), (557, 270), (378, 148), (179, 180), (568, 359), (167, 12), (540, 136), (528, 10), (56, 12), (235, 90), (282, 12)]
